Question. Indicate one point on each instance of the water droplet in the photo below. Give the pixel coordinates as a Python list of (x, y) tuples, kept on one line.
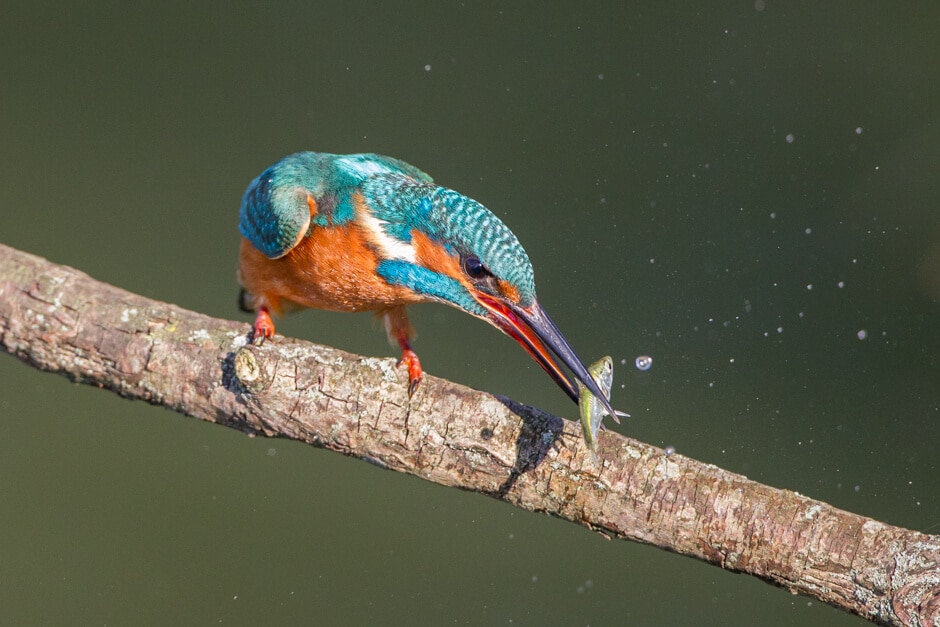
[(643, 362), (427, 68), (670, 450), (790, 138), (858, 130), (862, 334)]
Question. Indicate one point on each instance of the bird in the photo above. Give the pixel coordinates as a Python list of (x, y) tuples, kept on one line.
[(367, 232)]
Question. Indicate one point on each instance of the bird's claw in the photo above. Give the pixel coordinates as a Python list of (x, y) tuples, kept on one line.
[(263, 327), (415, 374)]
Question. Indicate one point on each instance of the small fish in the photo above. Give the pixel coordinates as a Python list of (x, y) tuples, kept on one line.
[(591, 409)]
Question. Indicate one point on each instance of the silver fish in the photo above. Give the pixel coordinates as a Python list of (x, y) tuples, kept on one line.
[(591, 409)]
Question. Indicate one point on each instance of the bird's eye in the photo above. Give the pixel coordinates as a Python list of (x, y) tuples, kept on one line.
[(474, 267)]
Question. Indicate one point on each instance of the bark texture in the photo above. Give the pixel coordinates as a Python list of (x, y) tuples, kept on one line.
[(61, 320)]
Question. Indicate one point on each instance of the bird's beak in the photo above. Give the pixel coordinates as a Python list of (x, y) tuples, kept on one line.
[(536, 332)]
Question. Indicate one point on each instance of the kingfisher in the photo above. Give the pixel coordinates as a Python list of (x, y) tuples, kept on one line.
[(366, 232)]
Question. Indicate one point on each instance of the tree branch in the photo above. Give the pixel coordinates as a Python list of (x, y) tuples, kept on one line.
[(61, 320)]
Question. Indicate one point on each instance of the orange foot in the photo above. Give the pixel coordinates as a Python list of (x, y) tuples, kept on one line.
[(263, 328), (410, 358)]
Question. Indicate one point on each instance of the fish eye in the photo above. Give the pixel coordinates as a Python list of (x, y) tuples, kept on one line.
[(474, 267)]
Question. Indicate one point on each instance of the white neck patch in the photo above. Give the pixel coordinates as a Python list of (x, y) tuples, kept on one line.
[(374, 229)]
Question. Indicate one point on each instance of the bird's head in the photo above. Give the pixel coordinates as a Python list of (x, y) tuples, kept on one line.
[(446, 247)]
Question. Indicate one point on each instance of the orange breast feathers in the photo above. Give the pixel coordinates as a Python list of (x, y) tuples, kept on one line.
[(331, 268)]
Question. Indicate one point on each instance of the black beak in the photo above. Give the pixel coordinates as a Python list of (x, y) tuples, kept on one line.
[(536, 332)]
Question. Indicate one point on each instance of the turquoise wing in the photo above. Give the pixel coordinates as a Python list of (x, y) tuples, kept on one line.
[(275, 212), (273, 222)]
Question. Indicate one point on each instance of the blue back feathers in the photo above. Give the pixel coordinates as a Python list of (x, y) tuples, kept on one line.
[(274, 211), (275, 215)]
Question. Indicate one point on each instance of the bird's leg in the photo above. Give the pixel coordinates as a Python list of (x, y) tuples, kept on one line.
[(263, 327), (400, 332)]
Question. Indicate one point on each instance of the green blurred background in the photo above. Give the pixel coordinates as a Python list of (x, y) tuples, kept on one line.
[(738, 192)]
